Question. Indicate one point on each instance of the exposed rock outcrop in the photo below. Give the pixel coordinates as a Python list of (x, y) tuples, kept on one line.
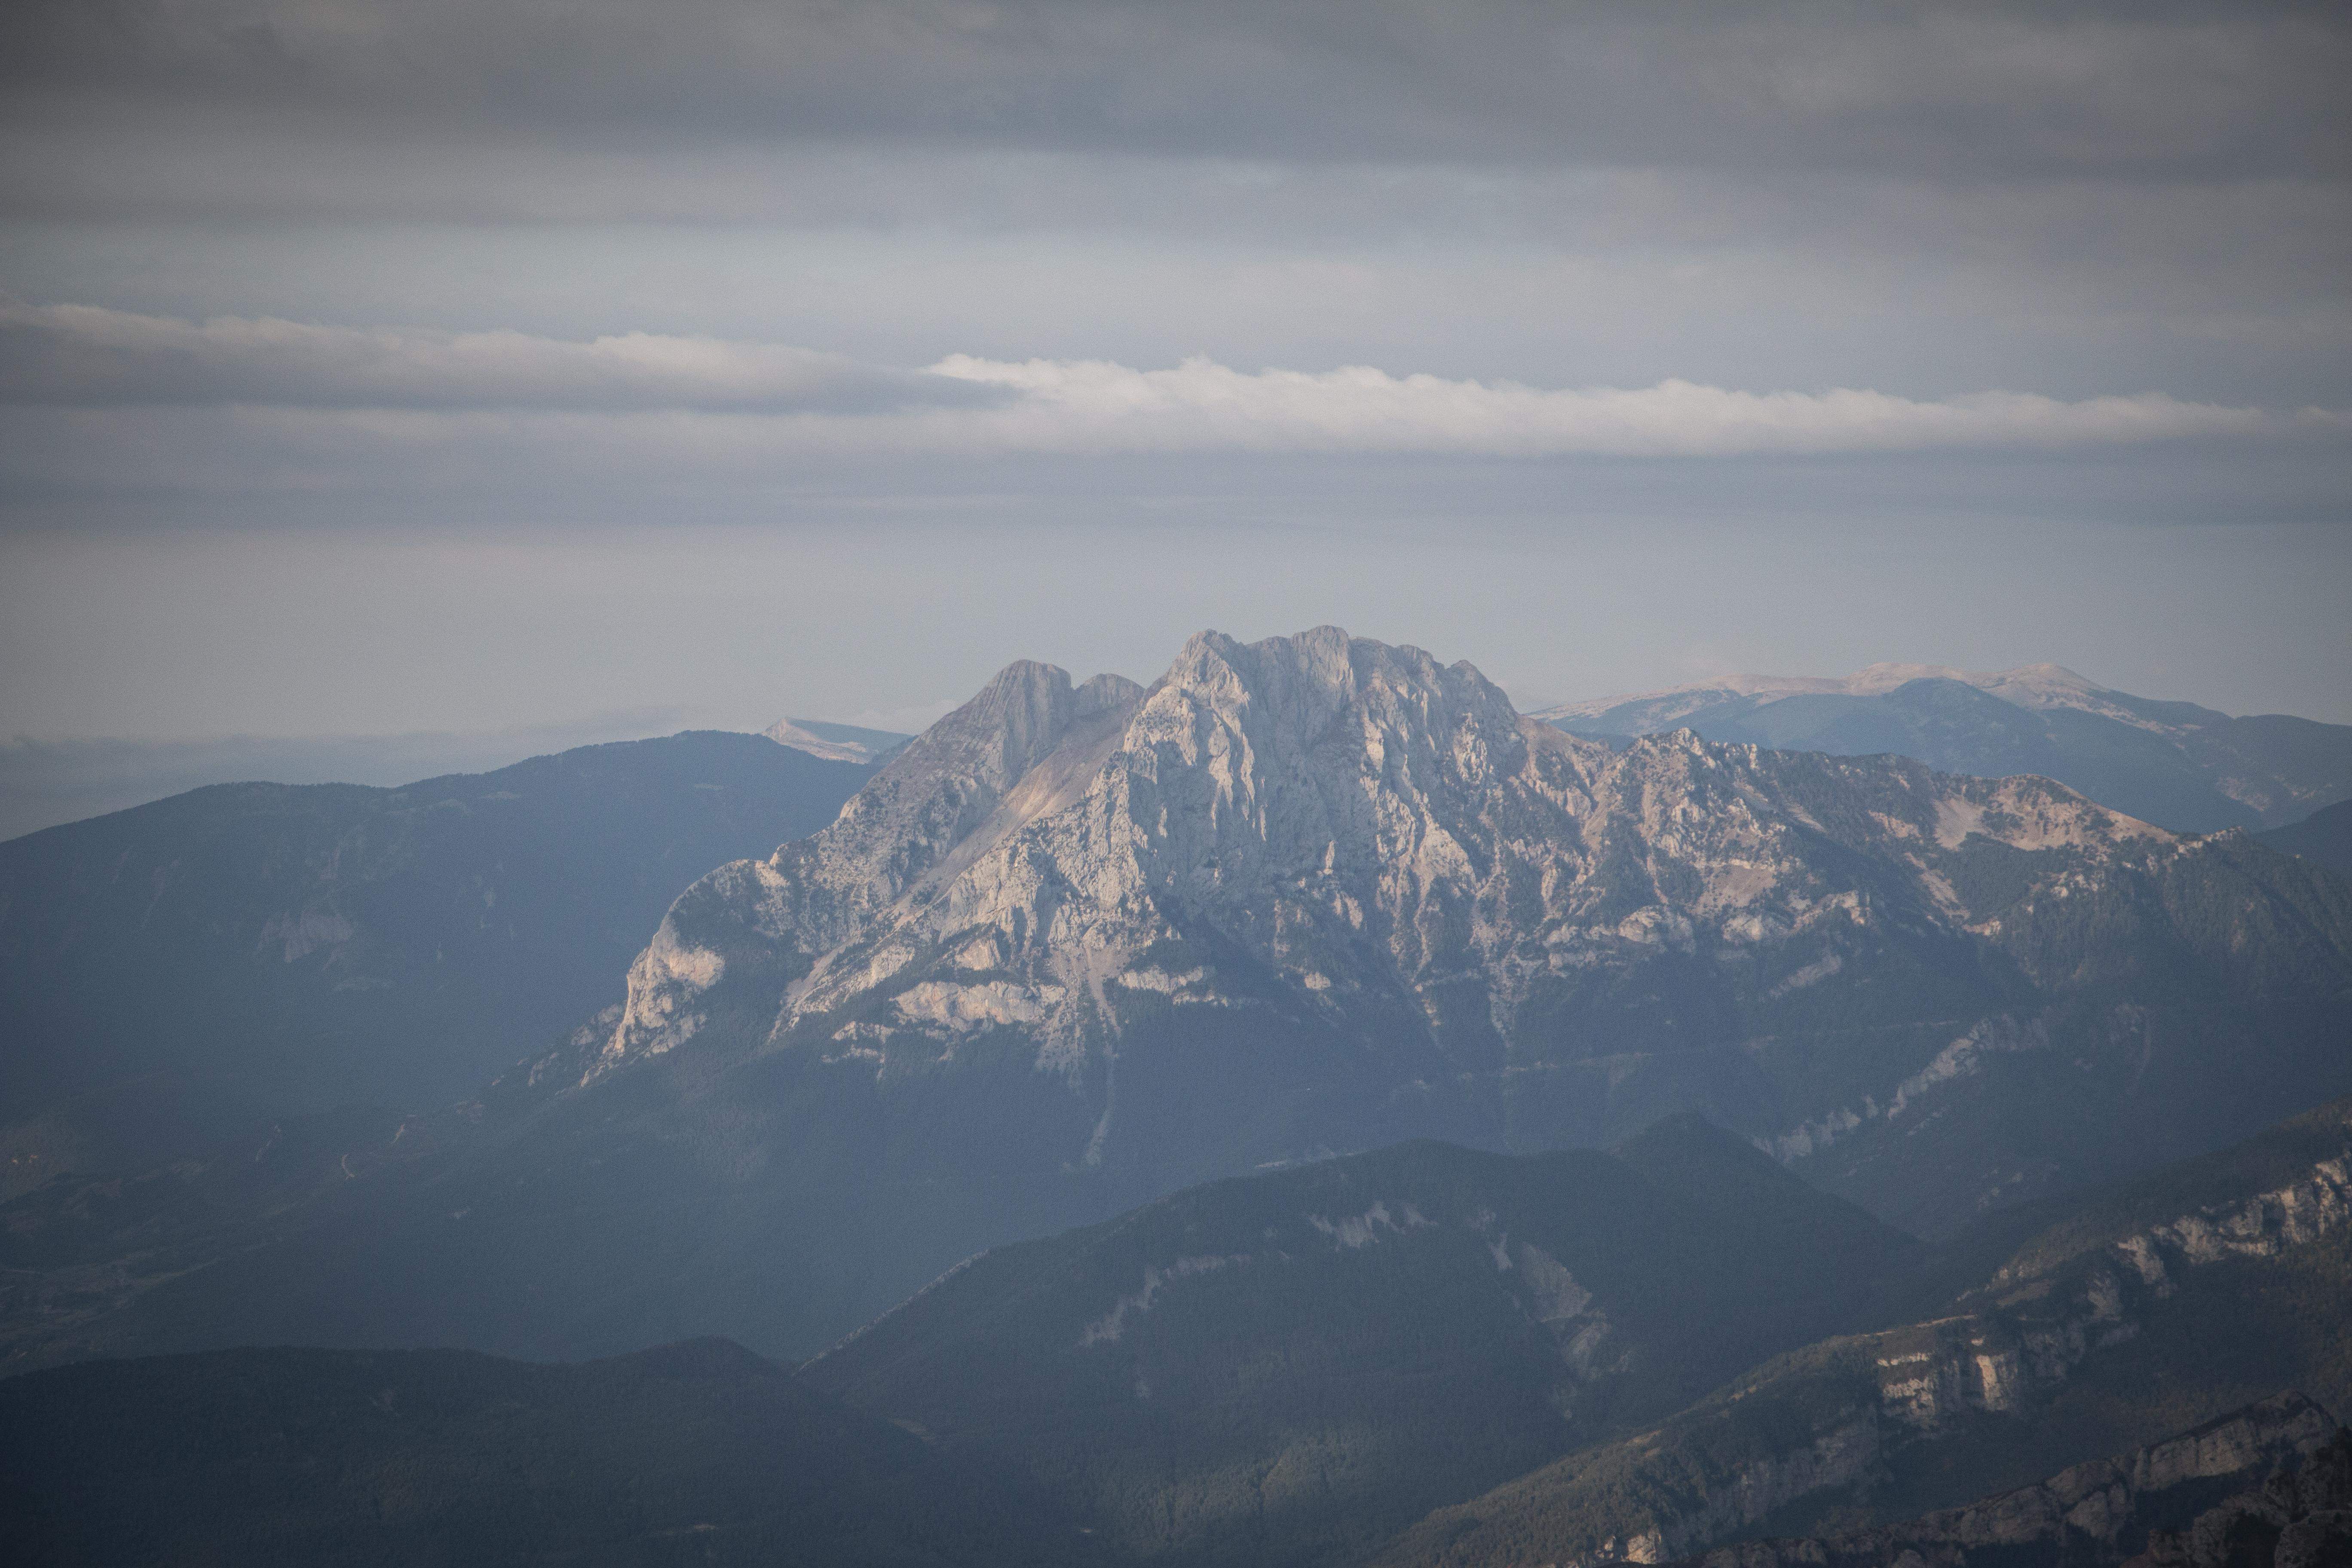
[(1510, 933), (2298, 1460), (1842, 1416)]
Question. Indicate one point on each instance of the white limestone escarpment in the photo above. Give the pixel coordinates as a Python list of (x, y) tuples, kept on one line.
[(1329, 836), (2087, 1508), (2067, 1310)]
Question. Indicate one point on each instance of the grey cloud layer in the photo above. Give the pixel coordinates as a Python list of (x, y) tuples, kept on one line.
[(759, 402), (1925, 197), (1688, 319), (2174, 89)]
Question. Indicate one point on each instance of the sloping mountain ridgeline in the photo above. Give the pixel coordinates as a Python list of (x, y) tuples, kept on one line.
[(695, 1453), (1079, 946), (2266, 1487), (838, 742), (173, 973), (1288, 1368), (2138, 1311), (2324, 838), (2181, 767), (1316, 892)]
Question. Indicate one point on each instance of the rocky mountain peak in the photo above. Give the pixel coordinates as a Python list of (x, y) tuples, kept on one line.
[(1360, 819), (1326, 838), (1100, 693), (793, 733), (999, 734), (1295, 688)]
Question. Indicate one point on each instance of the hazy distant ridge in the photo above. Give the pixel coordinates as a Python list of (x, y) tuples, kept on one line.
[(2173, 764)]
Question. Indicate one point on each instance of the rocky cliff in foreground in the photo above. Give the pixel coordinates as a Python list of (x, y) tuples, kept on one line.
[(2169, 1300)]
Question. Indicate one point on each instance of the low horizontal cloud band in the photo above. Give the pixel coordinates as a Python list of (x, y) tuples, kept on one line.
[(82, 355), (1202, 405), (751, 398)]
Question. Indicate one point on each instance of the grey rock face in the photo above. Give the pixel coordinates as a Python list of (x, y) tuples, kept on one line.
[(836, 742), (2092, 1513), (1506, 933), (1854, 1415)]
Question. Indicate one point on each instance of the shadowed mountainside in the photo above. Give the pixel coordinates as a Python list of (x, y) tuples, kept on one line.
[(2141, 1311), (1286, 1368), (2324, 838), (172, 972), (2266, 1487), (696, 1453)]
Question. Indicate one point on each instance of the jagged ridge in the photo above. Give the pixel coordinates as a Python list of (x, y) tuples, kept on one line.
[(1320, 837)]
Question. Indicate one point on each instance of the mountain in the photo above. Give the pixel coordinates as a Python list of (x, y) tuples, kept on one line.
[(1356, 893), (172, 972), (2324, 838), (2157, 1305), (1286, 1368), (695, 1453), (2266, 1487), (1083, 944), (2181, 767), (838, 742)]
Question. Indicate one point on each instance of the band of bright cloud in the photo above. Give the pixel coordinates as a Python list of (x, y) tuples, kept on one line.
[(748, 399), (1202, 405)]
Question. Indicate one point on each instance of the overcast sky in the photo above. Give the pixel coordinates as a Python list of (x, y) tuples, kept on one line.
[(368, 369)]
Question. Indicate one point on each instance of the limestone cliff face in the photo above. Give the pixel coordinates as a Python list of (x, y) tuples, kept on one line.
[(1847, 1414), (2092, 1513), (1327, 835)]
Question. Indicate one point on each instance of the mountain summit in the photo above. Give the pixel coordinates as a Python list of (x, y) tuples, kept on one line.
[(2028, 686), (1319, 892), (836, 742)]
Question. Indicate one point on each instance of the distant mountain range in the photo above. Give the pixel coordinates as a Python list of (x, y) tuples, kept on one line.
[(838, 742), (46, 782), (172, 972), (2324, 838), (2176, 765), (1083, 944)]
